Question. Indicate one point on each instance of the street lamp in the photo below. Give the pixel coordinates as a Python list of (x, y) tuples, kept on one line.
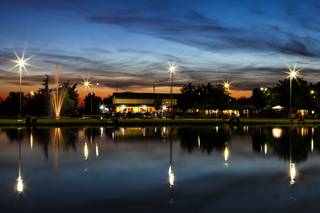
[(226, 86), (21, 63), (87, 84), (172, 71), (292, 74)]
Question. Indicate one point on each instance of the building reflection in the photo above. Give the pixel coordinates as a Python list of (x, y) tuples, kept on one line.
[(205, 139), (289, 144)]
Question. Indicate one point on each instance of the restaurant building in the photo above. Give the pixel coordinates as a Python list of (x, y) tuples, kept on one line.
[(130, 102)]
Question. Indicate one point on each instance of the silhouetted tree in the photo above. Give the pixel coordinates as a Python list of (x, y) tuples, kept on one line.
[(92, 100)]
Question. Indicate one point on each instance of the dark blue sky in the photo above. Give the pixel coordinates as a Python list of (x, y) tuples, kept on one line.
[(128, 44)]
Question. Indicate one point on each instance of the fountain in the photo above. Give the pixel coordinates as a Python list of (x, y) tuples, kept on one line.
[(58, 95)]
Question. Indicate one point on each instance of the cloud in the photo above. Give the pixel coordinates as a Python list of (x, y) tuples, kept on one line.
[(194, 29)]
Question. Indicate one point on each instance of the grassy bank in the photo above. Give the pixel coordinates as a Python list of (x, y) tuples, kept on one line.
[(186, 121)]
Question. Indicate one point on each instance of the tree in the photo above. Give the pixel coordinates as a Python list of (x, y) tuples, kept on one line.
[(300, 94), (71, 100), (11, 105), (259, 98), (91, 100)]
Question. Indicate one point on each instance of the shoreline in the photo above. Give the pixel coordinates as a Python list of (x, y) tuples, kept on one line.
[(144, 122)]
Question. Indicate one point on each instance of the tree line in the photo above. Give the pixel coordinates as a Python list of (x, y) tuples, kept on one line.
[(193, 98), (207, 96), (38, 103)]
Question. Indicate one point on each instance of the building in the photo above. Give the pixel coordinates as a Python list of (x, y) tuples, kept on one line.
[(130, 102)]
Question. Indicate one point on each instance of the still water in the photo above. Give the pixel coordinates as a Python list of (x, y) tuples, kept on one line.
[(160, 169)]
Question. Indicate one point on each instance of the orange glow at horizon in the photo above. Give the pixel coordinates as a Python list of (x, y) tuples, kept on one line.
[(105, 92)]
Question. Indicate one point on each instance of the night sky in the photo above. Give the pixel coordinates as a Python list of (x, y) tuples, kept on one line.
[(128, 44)]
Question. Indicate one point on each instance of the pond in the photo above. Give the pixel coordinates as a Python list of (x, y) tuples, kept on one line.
[(160, 169)]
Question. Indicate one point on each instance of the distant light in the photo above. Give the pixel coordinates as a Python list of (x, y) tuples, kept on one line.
[(86, 83), (263, 89), (312, 92), (102, 107), (226, 85), (32, 93), (278, 107)]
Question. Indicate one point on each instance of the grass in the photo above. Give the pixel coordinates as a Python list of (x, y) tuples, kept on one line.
[(156, 121)]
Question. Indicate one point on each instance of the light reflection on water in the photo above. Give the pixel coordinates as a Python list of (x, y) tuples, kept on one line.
[(93, 167)]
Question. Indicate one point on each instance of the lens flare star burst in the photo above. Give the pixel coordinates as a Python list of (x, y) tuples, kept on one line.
[(172, 69), (293, 73), (86, 83), (21, 62)]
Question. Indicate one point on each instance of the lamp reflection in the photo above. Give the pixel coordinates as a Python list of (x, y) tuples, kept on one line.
[(31, 141), (277, 132), (226, 155), (292, 165), (293, 173), (20, 184), (101, 132), (171, 177), (312, 145), (97, 150), (85, 151)]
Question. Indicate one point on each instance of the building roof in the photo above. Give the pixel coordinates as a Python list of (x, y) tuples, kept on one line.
[(134, 95)]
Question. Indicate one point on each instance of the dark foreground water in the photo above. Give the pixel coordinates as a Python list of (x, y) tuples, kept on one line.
[(160, 169)]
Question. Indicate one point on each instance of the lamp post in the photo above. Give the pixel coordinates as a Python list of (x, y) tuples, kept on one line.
[(21, 63), (87, 84), (226, 86), (292, 74), (172, 71)]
